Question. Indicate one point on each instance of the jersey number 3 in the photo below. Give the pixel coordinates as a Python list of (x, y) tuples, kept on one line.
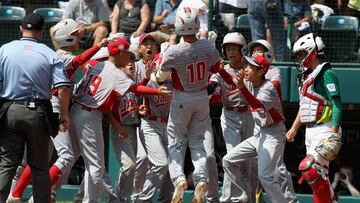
[(92, 85), (196, 71)]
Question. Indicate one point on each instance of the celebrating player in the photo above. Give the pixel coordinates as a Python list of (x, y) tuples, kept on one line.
[(97, 93), (268, 141), (236, 119), (189, 65), (320, 110)]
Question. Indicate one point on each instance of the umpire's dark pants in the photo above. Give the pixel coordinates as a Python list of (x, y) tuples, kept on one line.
[(23, 125)]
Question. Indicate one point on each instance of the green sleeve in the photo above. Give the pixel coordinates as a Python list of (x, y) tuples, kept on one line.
[(332, 90)]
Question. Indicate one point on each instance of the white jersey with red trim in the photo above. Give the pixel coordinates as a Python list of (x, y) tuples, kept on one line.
[(190, 64), (230, 94), (67, 57), (127, 109), (102, 86), (270, 101), (139, 71), (158, 106)]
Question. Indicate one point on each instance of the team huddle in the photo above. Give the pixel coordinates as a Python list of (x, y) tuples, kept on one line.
[(159, 106)]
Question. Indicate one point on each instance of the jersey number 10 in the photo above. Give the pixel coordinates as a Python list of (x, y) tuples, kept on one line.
[(196, 71)]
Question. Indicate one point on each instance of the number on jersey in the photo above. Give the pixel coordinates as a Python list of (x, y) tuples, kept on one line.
[(197, 71), (92, 85)]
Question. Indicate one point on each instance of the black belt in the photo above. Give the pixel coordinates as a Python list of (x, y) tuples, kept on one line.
[(32, 103)]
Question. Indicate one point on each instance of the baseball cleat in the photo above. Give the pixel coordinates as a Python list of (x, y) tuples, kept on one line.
[(199, 193), (12, 199), (179, 192)]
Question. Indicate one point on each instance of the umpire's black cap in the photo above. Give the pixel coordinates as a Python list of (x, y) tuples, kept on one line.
[(33, 21)]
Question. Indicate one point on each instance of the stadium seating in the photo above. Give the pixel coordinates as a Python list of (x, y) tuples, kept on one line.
[(340, 35), (243, 26), (10, 21), (50, 14), (12, 12), (51, 17)]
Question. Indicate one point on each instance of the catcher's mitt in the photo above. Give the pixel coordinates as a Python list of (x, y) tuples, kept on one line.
[(329, 147)]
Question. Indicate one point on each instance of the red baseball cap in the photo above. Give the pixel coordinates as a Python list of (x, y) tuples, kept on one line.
[(117, 46), (259, 61), (145, 36)]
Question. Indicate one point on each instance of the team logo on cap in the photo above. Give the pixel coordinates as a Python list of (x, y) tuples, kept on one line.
[(121, 47)]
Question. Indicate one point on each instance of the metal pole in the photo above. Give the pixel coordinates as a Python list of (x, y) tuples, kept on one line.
[(210, 15)]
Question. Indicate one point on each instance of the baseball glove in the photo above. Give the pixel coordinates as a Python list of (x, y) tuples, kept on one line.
[(329, 147)]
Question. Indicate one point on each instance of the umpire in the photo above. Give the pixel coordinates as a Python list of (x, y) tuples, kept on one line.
[(28, 70)]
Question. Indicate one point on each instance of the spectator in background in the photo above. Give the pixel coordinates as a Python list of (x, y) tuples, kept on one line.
[(94, 14), (342, 182), (269, 12), (130, 17), (237, 7), (164, 17), (298, 18)]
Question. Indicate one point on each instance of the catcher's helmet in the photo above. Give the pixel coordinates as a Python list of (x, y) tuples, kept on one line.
[(234, 38), (63, 32), (186, 21), (312, 46)]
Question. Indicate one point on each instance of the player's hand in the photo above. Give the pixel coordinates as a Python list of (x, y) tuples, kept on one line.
[(290, 135), (143, 110), (165, 13), (165, 93), (136, 34), (64, 123), (164, 27), (122, 132), (150, 67), (239, 78)]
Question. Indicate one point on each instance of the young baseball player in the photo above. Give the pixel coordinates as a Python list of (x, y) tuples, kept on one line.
[(189, 65), (320, 110), (268, 142), (153, 127), (67, 35), (264, 48), (236, 119), (97, 93)]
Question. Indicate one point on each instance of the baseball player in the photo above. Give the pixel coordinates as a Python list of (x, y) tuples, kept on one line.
[(264, 48), (67, 35), (153, 126), (189, 65), (126, 112), (97, 93), (268, 141), (320, 110), (236, 119)]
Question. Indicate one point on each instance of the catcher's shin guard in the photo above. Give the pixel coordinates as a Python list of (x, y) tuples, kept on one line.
[(312, 173)]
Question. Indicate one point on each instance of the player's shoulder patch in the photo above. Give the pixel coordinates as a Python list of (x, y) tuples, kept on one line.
[(331, 87)]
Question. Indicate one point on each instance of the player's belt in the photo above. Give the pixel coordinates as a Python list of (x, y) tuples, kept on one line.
[(314, 124), (158, 118), (238, 108)]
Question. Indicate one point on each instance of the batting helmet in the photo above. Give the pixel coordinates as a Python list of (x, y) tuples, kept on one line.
[(234, 38), (269, 50), (311, 46), (63, 32), (186, 21)]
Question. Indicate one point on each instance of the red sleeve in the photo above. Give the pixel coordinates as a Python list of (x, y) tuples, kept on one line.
[(226, 76), (253, 101), (85, 56), (144, 82), (141, 89), (215, 68)]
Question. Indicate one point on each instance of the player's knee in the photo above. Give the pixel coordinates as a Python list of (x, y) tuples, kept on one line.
[(101, 31)]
